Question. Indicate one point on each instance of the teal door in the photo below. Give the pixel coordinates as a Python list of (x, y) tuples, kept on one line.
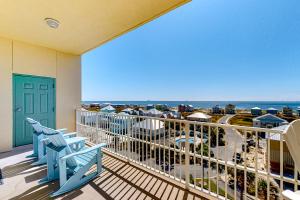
[(34, 97)]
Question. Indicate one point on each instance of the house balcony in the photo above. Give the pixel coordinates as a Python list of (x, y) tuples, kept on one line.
[(120, 180), (156, 158)]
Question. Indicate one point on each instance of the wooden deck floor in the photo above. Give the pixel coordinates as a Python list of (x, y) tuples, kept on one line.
[(120, 180)]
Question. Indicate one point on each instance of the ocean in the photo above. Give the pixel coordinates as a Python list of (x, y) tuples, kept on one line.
[(208, 104)]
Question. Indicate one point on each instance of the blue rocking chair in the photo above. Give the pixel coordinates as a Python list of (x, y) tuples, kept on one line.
[(71, 168), (39, 139)]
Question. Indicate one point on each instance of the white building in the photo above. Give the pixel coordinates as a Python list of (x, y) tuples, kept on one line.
[(128, 111), (154, 113), (268, 121), (256, 111), (199, 116), (108, 109), (272, 111), (149, 127)]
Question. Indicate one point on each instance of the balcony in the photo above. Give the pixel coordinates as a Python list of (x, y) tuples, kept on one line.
[(120, 180), (219, 160), (156, 158)]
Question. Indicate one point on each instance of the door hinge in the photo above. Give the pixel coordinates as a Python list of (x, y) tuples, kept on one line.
[(53, 109), (53, 85)]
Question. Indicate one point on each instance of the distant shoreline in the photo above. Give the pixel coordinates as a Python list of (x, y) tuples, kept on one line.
[(209, 104)]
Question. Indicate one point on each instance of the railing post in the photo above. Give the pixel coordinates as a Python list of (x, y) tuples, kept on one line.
[(128, 121), (187, 156), (97, 128), (77, 119)]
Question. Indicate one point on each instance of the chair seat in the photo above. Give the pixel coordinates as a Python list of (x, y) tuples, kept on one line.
[(290, 195), (83, 159), (74, 140)]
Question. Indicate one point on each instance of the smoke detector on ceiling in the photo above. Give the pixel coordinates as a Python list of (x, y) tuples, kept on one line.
[(52, 23)]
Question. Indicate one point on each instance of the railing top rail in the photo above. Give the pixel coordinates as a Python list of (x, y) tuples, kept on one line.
[(244, 128)]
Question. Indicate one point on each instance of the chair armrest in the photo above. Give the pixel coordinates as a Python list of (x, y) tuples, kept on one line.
[(73, 134), (289, 195), (62, 130), (44, 140), (84, 151), (75, 140)]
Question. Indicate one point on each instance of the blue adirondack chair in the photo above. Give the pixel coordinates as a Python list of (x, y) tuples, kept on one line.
[(39, 139), (72, 167), (36, 137)]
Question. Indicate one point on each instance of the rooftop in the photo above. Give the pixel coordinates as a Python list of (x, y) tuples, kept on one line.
[(269, 117), (199, 115), (272, 109), (150, 124), (108, 108)]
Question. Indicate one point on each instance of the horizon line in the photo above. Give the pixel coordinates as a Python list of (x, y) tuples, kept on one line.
[(204, 100)]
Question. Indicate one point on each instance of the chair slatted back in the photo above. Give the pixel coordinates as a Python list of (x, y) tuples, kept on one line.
[(35, 124), (57, 139), (292, 140)]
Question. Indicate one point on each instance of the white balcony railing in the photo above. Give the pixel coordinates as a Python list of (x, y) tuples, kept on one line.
[(224, 161)]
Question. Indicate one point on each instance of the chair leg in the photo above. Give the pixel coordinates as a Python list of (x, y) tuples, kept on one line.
[(41, 161), (41, 148), (78, 179), (99, 161), (51, 169), (35, 147)]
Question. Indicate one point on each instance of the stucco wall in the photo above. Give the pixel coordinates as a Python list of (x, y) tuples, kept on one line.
[(5, 95), (21, 58), (68, 90)]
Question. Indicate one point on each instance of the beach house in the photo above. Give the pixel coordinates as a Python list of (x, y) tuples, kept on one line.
[(256, 111), (181, 108), (272, 111), (152, 128), (287, 111), (185, 108), (268, 121), (128, 111), (217, 109), (149, 106), (199, 116), (230, 109), (154, 113), (189, 108), (162, 107), (108, 109)]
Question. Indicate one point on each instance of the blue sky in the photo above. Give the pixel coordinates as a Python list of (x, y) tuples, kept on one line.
[(204, 50)]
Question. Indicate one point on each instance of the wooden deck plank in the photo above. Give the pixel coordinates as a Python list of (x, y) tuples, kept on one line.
[(119, 180)]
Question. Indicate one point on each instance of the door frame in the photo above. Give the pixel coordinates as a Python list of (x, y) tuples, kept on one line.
[(14, 99)]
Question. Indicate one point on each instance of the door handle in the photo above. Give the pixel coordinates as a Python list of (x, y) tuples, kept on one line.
[(19, 109)]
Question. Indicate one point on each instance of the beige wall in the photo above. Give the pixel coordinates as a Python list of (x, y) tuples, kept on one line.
[(21, 58), (5, 94), (68, 92), (34, 60)]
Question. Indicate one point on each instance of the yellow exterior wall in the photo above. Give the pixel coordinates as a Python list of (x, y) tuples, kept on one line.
[(5, 95), (29, 59), (68, 89), (21, 58)]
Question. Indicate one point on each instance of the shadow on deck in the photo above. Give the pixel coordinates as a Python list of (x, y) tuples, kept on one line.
[(120, 180)]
